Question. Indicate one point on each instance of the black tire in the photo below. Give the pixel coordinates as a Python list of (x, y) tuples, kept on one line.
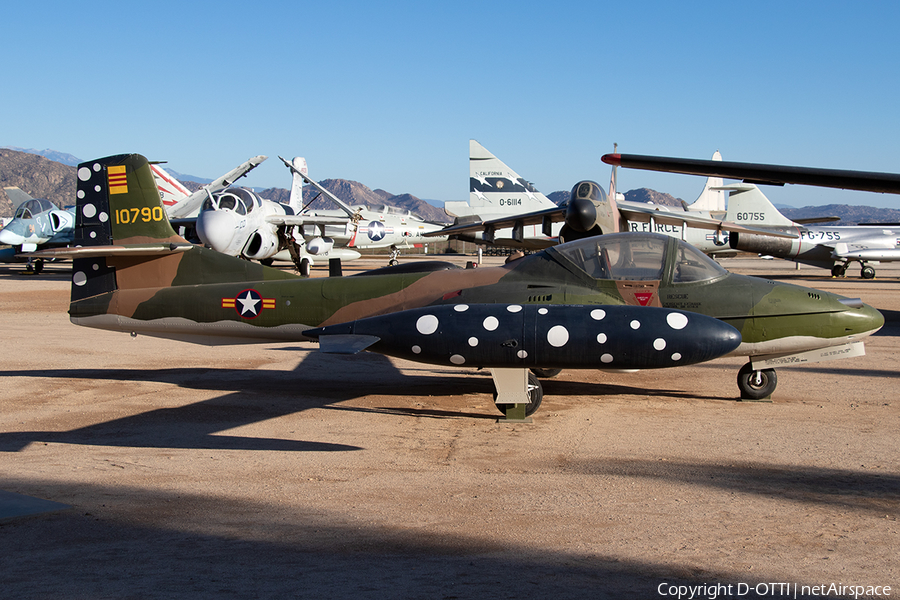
[(546, 373), (267, 262), (867, 272), (756, 387), (838, 270), (304, 268), (535, 395)]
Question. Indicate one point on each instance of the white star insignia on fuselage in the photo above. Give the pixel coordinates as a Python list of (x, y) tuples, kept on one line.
[(248, 304)]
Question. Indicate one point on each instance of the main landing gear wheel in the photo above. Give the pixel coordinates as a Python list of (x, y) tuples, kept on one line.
[(838, 270), (34, 267), (867, 272), (546, 373), (756, 384), (535, 395)]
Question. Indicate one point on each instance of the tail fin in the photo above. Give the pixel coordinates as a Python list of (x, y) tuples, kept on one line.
[(712, 198), (119, 204), (496, 189), (747, 205), (171, 191), (300, 169), (16, 196)]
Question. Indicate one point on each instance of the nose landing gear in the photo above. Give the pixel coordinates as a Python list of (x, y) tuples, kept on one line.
[(756, 384)]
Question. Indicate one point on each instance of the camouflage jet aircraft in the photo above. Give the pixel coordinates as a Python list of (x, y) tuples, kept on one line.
[(619, 301)]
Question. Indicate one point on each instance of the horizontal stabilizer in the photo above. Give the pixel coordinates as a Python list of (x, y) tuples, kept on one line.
[(345, 344), (94, 251)]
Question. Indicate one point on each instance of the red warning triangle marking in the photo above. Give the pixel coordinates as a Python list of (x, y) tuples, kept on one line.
[(643, 298)]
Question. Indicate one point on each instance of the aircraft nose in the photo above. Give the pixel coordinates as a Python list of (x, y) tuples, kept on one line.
[(581, 214), (11, 238), (858, 319), (216, 229)]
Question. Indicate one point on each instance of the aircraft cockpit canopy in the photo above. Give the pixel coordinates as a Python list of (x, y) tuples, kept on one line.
[(31, 208), (638, 257), (238, 200)]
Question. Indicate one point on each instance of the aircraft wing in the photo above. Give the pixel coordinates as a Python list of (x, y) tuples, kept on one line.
[(344, 206), (192, 203), (811, 220), (552, 215), (687, 219), (865, 181), (305, 220), (631, 213)]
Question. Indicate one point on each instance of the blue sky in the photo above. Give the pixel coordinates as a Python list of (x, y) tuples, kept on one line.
[(389, 94)]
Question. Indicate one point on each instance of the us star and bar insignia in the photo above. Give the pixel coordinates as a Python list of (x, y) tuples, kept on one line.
[(248, 303), (118, 181)]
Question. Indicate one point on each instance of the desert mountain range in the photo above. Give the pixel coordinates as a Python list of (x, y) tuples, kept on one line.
[(44, 178)]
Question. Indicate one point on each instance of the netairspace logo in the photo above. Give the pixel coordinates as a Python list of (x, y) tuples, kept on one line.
[(771, 590)]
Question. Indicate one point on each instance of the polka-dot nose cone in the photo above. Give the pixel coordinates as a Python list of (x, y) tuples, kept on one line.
[(554, 336)]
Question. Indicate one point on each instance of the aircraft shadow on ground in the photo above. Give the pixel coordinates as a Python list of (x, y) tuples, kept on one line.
[(18, 273), (891, 324), (104, 547), (875, 493), (254, 395)]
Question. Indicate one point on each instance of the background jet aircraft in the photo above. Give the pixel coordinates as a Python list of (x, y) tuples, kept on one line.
[(547, 224), (828, 247), (37, 223), (822, 246), (613, 302), (354, 227), (237, 222)]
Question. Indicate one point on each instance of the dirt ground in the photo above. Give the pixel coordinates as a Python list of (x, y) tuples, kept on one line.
[(271, 471)]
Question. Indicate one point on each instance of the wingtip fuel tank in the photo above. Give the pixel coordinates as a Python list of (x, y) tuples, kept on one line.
[(549, 336)]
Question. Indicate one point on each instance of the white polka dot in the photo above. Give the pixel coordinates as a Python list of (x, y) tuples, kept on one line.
[(659, 344), (635, 324), (601, 338), (542, 311), (473, 341), (104, 217), (456, 359), (427, 324), (522, 354), (84, 173), (676, 356), (417, 349), (93, 234), (80, 193), (677, 321), (606, 358), (461, 307), (558, 336), (95, 266), (97, 167), (598, 314), (79, 278), (491, 323), (513, 308), (89, 210)]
